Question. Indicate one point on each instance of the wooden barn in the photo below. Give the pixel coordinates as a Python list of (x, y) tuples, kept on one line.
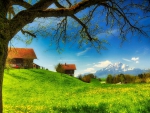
[(69, 69), (21, 57)]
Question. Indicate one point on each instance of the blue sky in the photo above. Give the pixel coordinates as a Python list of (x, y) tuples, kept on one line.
[(134, 52)]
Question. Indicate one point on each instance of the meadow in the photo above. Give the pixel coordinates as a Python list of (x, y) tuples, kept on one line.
[(42, 91)]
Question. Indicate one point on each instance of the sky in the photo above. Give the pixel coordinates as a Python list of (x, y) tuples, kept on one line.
[(134, 52)]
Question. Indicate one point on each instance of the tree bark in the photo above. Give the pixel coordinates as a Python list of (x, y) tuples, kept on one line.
[(3, 56)]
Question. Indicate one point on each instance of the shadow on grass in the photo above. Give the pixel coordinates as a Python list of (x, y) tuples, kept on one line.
[(18, 77), (36, 71), (83, 109), (147, 108)]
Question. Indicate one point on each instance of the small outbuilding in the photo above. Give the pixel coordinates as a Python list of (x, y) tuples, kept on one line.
[(35, 66), (69, 69)]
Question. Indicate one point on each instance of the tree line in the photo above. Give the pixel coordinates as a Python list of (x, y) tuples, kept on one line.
[(127, 78), (87, 78)]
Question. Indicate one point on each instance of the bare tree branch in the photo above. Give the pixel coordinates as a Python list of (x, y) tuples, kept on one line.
[(69, 3), (11, 11), (90, 15), (27, 16), (84, 27), (27, 32), (21, 3), (42, 4), (119, 11), (40, 10)]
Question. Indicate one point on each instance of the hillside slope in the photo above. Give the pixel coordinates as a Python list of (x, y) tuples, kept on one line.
[(41, 91), (37, 76), (38, 87)]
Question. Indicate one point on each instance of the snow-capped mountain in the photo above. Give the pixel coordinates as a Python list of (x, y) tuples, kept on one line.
[(118, 68)]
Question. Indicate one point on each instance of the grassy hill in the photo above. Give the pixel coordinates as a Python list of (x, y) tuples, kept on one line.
[(41, 91)]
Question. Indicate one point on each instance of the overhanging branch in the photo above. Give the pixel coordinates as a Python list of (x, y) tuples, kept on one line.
[(84, 27), (37, 10), (40, 10), (69, 3), (27, 32), (21, 3), (42, 4), (117, 10)]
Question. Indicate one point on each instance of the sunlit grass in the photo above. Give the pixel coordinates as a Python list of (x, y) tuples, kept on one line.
[(40, 91)]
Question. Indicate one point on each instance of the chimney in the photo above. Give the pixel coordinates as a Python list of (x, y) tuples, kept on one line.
[(65, 64)]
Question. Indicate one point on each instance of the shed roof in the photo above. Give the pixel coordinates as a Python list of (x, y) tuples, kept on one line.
[(69, 66), (26, 53)]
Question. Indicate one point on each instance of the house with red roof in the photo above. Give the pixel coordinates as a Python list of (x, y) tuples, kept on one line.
[(69, 69), (21, 57)]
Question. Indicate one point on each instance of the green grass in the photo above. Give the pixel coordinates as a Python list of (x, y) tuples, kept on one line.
[(41, 91)]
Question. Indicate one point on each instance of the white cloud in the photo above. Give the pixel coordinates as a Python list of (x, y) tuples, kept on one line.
[(102, 64), (123, 66), (91, 70), (126, 59), (135, 58), (83, 52)]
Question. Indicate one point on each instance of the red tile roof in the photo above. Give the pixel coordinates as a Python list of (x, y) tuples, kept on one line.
[(69, 66), (26, 53)]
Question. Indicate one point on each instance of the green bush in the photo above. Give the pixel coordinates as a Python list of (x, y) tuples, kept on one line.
[(86, 79), (109, 79), (148, 80), (80, 77), (99, 79), (59, 68)]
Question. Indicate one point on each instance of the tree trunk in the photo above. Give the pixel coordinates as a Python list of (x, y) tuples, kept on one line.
[(3, 56)]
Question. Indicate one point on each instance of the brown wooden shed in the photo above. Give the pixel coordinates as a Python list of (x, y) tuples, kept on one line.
[(21, 57), (69, 69)]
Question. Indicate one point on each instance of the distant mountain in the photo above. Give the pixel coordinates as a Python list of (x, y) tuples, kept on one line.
[(118, 68)]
